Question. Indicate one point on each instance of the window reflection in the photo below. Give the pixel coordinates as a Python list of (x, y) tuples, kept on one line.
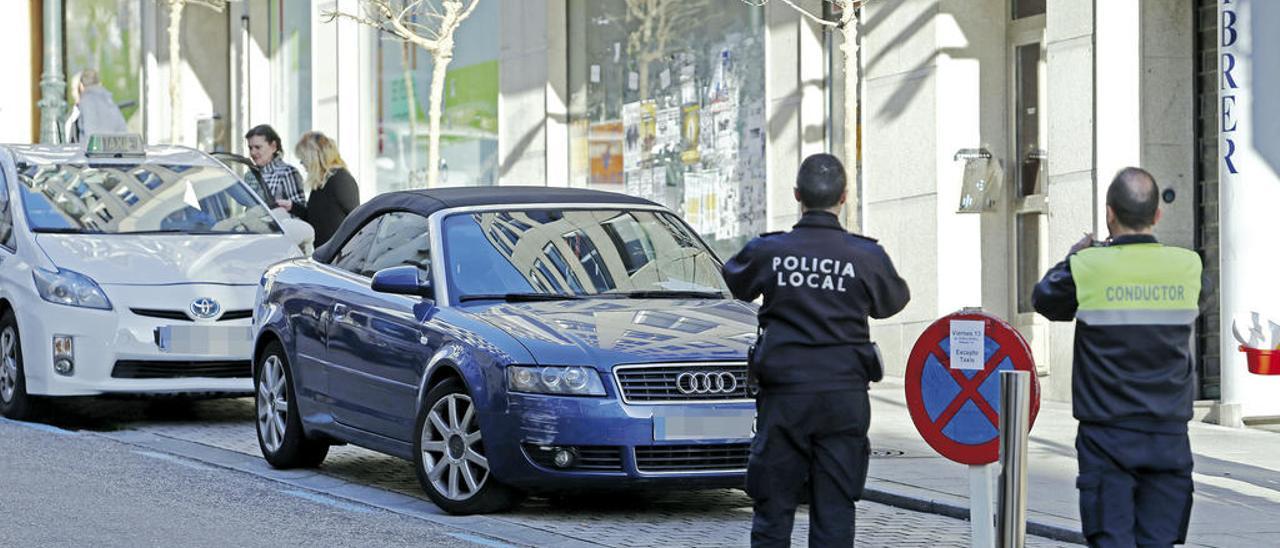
[(583, 252), (667, 103), (469, 119)]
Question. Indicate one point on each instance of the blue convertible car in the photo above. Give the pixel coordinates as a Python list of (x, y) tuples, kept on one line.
[(508, 340)]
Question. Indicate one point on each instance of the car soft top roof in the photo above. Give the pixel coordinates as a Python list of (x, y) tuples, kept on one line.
[(428, 201)]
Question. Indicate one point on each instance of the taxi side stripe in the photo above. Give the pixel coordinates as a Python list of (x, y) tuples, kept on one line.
[(1137, 317)]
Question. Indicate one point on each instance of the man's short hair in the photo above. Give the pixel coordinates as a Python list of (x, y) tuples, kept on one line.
[(1134, 197), (268, 133), (821, 181)]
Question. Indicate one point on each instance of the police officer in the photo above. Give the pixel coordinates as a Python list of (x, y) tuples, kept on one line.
[(814, 360), (1135, 303)]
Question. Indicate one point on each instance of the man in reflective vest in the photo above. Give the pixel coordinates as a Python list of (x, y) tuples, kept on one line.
[(1135, 303)]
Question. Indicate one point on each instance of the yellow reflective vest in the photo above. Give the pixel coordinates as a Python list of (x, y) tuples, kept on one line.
[(1136, 303)]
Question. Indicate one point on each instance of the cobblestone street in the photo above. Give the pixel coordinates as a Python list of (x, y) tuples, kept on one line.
[(706, 518)]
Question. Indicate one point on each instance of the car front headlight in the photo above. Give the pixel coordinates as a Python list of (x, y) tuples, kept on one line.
[(566, 381), (69, 288)]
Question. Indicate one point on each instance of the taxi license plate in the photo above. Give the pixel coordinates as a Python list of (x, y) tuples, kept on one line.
[(704, 425), (213, 340)]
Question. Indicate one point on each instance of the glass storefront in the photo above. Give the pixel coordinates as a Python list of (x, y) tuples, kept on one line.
[(669, 104), (290, 46), (469, 123), (106, 35)]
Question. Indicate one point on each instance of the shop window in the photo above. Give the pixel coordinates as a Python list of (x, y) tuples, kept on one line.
[(106, 35), (290, 23), (668, 104), (1028, 8), (469, 119)]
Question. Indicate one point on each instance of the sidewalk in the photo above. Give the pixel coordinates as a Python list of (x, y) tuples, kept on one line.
[(1237, 475)]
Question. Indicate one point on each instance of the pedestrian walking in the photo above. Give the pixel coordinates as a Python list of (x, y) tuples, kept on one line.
[(1135, 303), (813, 360), (95, 111), (334, 192), (283, 180)]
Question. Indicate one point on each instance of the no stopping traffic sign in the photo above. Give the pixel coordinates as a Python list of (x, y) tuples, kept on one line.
[(957, 411)]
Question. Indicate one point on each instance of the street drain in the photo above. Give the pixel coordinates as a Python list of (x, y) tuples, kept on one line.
[(884, 453)]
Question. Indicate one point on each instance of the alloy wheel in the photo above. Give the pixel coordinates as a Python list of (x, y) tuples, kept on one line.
[(452, 450), (273, 403), (9, 367)]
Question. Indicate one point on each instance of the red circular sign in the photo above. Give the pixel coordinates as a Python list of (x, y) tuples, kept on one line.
[(957, 411)]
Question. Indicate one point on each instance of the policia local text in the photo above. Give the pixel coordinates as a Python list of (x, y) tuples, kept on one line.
[(812, 272)]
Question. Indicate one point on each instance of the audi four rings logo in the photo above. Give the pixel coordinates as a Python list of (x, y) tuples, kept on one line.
[(708, 382)]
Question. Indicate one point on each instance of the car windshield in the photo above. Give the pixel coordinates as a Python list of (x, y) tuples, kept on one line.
[(115, 198), (575, 252)]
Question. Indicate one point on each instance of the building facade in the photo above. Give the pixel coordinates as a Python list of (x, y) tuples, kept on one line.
[(990, 128)]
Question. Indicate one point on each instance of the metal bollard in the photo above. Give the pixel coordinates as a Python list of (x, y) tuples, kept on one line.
[(1015, 416)]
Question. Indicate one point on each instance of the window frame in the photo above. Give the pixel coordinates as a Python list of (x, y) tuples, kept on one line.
[(1024, 32)]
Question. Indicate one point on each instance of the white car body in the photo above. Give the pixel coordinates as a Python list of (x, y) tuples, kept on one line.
[(152, 282)]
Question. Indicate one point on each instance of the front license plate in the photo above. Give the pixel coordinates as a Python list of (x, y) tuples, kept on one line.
[(704, 425), (213, 340)]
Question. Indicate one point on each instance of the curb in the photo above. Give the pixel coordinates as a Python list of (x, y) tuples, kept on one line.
[(885, 492)]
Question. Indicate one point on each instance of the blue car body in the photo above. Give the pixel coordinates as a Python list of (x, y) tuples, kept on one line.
[(363, 361)]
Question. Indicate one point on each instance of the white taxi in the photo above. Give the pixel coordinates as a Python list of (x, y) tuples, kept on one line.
[(127, 269)]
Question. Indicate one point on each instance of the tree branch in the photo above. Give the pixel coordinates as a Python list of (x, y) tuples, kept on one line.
[(332, 15)]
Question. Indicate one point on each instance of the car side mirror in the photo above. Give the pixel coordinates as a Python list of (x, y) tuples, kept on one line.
[(402, 280)]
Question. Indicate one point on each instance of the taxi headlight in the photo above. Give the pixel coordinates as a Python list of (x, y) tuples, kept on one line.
[(567, 381), (69, 288)]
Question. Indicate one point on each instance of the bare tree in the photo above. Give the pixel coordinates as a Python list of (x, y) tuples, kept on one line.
[(847, 26), (659, 22), (175, 59), (430, 25)]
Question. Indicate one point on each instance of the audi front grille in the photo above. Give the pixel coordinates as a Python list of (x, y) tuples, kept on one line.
[(692, 458), (682, 383)]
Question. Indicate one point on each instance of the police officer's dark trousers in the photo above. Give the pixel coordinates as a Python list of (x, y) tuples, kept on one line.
[(818, 437), (1135, 487)]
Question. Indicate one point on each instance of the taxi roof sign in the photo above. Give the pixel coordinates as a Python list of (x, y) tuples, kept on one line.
[(115, 145)]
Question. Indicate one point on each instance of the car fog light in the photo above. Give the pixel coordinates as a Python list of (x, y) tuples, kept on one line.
[(564, 458), (64, 354)]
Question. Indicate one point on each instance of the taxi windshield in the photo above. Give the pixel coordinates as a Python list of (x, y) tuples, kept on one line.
[(121, 198)]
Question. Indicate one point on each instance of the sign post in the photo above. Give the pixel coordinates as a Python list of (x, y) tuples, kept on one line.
[(953, 395)]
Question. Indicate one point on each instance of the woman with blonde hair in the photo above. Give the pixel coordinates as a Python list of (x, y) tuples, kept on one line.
[(333, 190)]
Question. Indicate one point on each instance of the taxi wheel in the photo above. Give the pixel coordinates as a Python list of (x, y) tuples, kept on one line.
[(280, 435), (449, 455), (15, 403)]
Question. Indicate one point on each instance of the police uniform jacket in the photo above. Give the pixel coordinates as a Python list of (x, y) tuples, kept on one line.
[(1135, 303), (820, 283)]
